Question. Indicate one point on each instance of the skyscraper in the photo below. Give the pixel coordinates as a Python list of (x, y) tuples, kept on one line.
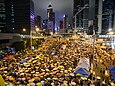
[(65, 22), (2, 16), (49, 12), (51, 19), (78, 4), (38, 21), (19, 15), (61, 25), (98, 15), (44, 25), (108, 15)]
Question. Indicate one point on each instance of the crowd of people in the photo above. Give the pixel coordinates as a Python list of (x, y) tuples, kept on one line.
[(54, 63)]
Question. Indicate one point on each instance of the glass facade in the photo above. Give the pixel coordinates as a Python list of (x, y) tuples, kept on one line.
[(91, 13), (2, 15), (108, 16), (16, 15)]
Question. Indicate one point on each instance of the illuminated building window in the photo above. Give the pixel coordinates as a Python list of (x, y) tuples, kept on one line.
[(12, 14)]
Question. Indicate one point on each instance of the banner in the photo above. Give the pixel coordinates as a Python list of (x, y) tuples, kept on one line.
[(83, 63)]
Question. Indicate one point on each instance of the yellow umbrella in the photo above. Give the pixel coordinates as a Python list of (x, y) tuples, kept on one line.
[(66, 74), (112, 84), (39, 84), (83, 78), (55, 69), (98, 77), (47, 70), (61, 67), (37, 56), (34, 61), (2, 83), (78, 74), (30, 60), (11, 79), (21, 70), (27, 71), (100, 61), (25, 64)]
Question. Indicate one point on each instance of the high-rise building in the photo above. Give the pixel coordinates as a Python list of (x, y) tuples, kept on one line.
[(78, 4), (44, 25), (108, 15), (2, 16), (51, 19), (65, 22), (18, 16), (49, 12), (61, 25), (94, 14), (114, 16), (38, 21)]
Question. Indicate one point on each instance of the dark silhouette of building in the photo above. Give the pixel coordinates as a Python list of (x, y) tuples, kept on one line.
[(108, 15), (78, 4), (88, 17), (84, 14), (38, 21), (44, 25), (49, 12), (61, 24), (19, 14), (51, 19), (65, 22), (2, 16)]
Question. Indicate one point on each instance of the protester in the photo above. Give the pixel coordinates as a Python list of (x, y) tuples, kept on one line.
[(53, 63)]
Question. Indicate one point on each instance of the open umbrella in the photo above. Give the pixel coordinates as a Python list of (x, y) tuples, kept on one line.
[(11, 79), (82, 71), (2, 82)]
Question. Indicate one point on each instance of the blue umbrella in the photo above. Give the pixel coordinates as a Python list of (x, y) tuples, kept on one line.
[(112, 68), (28, 59), (82, 71), (21, 62)]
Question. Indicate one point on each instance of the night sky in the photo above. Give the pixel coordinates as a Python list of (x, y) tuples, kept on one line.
[(60, 7)]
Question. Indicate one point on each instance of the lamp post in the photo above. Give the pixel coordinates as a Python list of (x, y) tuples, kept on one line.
[(94, 42), (24, 39), (31, 39), (24, 30), (51, 33), (37, 30)]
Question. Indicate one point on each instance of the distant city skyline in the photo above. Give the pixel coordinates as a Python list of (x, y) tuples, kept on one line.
[(60, 8)]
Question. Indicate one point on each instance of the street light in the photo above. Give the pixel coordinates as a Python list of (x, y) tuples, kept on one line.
[(110, 33), (110, 29), (37, 29), (24, 30), (51, 33), (31, 39)]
